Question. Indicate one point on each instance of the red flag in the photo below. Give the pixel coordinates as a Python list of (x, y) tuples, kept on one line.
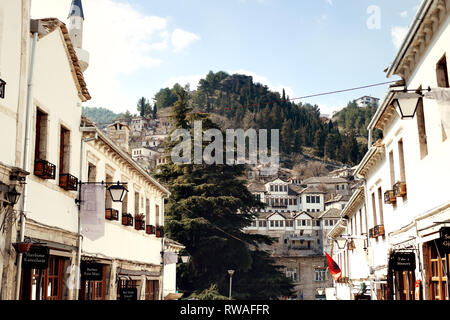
[(335, 271)]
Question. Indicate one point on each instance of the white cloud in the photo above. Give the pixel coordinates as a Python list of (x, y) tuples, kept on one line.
[(398, 35), (404, 14), (330, 2), (181, 39), (120, 39)]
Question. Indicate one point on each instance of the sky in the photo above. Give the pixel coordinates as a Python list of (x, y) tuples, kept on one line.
[(306, 47)]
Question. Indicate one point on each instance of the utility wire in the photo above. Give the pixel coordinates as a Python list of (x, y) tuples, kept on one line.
[(306, 97)]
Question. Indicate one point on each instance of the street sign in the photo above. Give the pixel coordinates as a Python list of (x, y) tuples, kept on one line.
[(91, 271), (403, 261), (444, 240), (36, 258), (128, 294)]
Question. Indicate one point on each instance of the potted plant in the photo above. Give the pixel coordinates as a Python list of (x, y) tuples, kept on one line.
[(125, 219), (22, 247), (159, 231), (149, 229), (139, 221)]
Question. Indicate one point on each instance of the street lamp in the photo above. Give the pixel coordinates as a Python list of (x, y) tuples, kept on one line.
[(185, 258), (231, 273), (407, 102), (340, 242), (117, 192), (13, 196)]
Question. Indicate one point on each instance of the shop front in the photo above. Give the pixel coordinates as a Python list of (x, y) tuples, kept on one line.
[(44, 274), (402, 268), (436, 259), (95, 278), (138, 284)]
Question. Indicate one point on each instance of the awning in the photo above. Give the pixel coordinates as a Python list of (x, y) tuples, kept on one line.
[(136, 273)]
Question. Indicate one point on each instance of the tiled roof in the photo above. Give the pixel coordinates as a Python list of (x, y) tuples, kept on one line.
[(256, 187), (331, 213), (324, 180)]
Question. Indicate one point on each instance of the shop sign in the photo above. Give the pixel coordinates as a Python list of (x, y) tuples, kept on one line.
[(402, 261), (128, 294), (36, 258), (91, 271), (445, 240)]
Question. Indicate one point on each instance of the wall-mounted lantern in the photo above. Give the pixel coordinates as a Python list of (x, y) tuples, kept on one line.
[(2, 88)]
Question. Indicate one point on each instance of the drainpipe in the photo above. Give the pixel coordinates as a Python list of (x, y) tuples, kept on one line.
[(80, 236), (36, 29)]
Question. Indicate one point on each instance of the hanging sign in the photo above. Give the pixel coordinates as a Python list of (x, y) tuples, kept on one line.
[(36, 258), (403, 261), (128, 294), (91, 271), (445, 240)]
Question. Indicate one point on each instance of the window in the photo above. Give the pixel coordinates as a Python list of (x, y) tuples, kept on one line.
[(92, 172), (136, 203), (380, 205), (290, 202), (337, 187), (157, 215), (295, 202), (108, 199), (272, 223), (374, 210), (318, 199), (125, 203), (262, 224), (308, 199), (422, 130), (401, 157), (40, 148), (64, 151), (442, 73), (391, 167), (319, 275), (271, 188)]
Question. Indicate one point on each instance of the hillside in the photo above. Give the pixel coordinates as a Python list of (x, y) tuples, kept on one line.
[(237, 102)]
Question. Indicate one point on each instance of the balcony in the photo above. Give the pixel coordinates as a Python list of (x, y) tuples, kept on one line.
[(149, 229), (379, 231), (44, 169), (160, 232), (127, 219), (400, 189), (279, 206), (139, 224), (389, 197), (68, 182), (112, 215)]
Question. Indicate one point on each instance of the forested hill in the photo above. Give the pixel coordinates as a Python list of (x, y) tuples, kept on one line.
[(238, 102)]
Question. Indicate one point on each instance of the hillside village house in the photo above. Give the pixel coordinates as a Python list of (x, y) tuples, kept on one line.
[(405, 172), (295, 217)]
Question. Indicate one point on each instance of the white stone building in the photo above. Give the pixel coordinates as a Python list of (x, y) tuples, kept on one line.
[(366, 101), (405, 172)]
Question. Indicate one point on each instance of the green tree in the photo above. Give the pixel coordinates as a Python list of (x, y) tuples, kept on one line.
[(208, 209), (144, 107)]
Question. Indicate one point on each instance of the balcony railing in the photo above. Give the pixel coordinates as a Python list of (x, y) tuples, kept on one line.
[(149, 229), (44, 169), (400, 189), (377, 231), (127, 219), (111, 214), (68, 182), (139, 224), (278, 205), (160, 232), (389, 197)]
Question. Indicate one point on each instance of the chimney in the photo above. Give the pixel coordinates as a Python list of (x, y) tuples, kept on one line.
[(119, 133)]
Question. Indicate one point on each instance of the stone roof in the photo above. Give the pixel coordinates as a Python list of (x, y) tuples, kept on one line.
[(324, 180), (256, 187), (339, 197), (312, 190), (50, 25), (331, 213)]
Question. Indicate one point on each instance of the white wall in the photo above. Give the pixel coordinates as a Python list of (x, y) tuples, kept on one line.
[(56, 94)]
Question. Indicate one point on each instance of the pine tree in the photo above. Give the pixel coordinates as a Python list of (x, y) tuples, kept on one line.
[(208, 209)]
